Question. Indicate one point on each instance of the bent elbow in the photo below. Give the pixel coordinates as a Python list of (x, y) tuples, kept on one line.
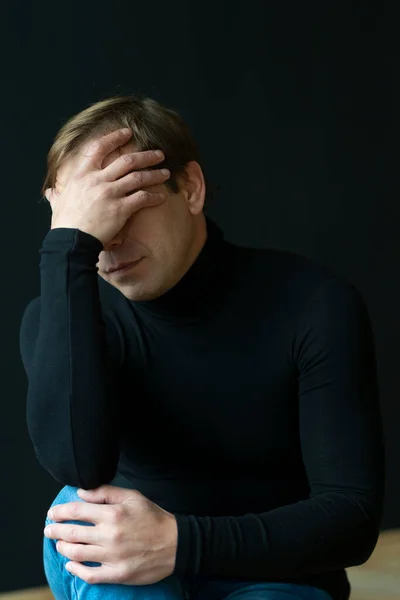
[(366, 546), (362, 541), (91, 477)]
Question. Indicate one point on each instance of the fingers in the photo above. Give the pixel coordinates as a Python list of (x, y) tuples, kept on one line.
[(131, 162), (81, 553), (143, 198), (137, 180), (83, 511), (108, 494), (74, 534), (96, 150), (103, 574)]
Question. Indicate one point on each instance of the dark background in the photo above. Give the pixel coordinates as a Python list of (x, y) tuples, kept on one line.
[(294, 108)]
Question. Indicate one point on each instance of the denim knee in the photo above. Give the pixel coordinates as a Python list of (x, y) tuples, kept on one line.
[(65, 586), (69, 494)]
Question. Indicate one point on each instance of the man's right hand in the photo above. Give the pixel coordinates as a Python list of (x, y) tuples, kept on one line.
[(95, 199)]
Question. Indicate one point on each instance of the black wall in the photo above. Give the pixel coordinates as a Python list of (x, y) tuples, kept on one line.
[(294, 108)]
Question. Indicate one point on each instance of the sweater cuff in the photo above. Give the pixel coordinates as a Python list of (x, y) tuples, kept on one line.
[(182, 562), (72, 241)]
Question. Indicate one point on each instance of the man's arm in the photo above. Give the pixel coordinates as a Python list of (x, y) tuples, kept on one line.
[(73, 400), (343, 452)]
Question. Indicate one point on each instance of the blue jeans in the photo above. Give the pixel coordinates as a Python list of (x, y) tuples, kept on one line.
[(66, 586)]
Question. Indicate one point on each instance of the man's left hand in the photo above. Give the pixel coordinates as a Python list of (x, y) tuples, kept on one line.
[(134, 539)]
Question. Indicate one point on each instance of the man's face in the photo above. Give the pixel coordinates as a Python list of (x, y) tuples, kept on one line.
[(166, 238)]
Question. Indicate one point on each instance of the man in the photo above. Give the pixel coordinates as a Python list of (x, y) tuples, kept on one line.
[(234, 389)]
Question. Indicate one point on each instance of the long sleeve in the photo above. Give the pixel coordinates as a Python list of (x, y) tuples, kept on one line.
[(342, 443), (72, 405)]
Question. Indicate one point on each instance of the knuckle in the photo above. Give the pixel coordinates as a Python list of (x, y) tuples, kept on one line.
[(95, 144), (72, 534), (137, 176), (91, 578), (116, 536), (105, 190), (87, 180), (142, 195), (75, 509), (128, 158), (92, 177), (116, 514), (124, 574), (77, 554)]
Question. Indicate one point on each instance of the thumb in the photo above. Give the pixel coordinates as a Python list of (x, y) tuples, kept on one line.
[(105, 494)]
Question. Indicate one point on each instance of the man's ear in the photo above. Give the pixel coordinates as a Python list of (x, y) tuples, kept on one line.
[(50, 197), (194, 187)]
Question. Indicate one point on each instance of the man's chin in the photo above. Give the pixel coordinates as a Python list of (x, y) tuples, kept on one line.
[(136, 291)]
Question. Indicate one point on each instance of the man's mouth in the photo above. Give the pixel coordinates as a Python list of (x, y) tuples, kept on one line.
[(123, 266)]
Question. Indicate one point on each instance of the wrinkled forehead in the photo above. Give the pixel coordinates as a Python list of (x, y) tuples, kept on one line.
[(67, 167)]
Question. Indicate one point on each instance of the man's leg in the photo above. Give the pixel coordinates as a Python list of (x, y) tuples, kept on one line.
[(226, 590), (66, 586)]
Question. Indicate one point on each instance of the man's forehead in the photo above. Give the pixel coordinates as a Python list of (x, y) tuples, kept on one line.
[(69, 164)]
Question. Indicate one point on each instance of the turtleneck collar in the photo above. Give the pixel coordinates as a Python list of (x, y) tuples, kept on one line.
[(197, 292)]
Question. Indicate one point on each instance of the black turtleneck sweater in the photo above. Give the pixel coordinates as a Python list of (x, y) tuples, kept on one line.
[(244, 401)]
